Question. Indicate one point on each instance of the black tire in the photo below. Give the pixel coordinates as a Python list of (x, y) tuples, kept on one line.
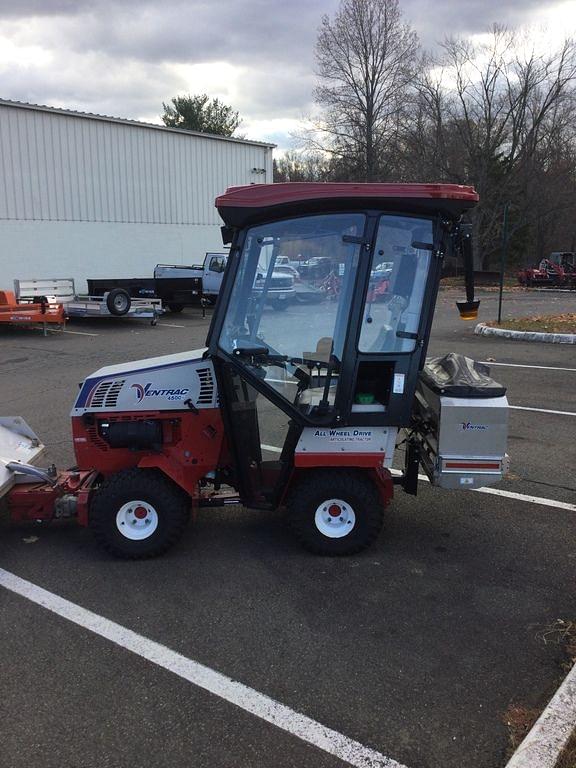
[(110, 511), (279, 306), (118, 302), (358, 495), (175, 308)]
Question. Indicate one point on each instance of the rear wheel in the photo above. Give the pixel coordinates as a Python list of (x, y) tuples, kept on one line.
[(118, 302), (138, 513), (335, 512), (175, 308)]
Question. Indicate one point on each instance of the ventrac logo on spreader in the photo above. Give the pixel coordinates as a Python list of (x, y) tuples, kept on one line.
[(467, 425), (149, 391)]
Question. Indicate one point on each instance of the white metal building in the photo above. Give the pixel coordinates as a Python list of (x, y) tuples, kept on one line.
[(85, 195)]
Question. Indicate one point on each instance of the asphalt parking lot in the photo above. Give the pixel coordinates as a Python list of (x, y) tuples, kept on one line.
[(415, 649)]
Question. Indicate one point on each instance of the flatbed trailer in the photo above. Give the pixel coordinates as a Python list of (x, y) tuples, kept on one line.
[(113, 303), (177, 285)]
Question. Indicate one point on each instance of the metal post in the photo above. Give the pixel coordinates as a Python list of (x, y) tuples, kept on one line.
[(503, 259)]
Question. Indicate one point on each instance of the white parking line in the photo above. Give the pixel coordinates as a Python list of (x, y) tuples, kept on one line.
[(529, 499), (258, 704), (78, 333), (169, 325), (541, 500), (541, 410), (544, 743), (519, 365)]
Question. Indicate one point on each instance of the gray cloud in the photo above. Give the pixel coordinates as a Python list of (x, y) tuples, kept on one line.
[(122, 57)]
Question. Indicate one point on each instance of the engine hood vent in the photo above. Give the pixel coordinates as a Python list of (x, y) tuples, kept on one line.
[(106, 394)]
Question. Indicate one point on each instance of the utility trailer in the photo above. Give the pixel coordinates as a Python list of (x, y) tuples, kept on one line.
[(176, 285), (113, 303), (333, 389), (38, 311)]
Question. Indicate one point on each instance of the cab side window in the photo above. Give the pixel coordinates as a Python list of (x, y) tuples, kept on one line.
[(398, 276)]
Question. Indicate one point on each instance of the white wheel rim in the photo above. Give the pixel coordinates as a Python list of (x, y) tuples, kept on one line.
[(137, 520), (335, 518), (120, 302)]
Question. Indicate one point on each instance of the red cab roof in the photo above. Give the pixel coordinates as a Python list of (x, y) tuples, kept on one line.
[(240, 206)]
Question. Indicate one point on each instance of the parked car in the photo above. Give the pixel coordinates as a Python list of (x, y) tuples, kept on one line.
[(279, 286)]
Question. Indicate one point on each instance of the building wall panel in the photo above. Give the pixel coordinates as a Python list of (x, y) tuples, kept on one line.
[(58, 167)]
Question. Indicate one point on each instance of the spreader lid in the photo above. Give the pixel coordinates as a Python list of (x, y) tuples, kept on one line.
[(457, 376), (240, 206)]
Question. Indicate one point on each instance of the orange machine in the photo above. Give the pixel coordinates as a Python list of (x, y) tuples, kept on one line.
[(41, 312)]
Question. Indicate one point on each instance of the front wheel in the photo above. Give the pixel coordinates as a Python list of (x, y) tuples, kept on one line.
[(138, 513), (335, 511)]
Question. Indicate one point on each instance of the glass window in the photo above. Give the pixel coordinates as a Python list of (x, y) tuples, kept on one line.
[(398, 276), (217, 264), (290, 305)]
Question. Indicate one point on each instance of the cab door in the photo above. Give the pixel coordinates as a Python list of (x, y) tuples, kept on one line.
[(280, 371)]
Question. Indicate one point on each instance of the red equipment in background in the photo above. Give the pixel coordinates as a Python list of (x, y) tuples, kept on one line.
[(557, 271), (41, 312)]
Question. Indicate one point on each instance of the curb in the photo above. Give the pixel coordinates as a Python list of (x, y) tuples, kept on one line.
[(551, 338), (550, 290), (543, 745)]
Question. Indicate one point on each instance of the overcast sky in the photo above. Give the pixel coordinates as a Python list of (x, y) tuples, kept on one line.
[(125, 57)]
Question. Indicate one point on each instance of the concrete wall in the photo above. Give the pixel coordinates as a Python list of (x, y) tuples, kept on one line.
[(39, 249)]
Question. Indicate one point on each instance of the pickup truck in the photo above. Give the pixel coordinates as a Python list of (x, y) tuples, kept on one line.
[(176, 285), (183, 286)]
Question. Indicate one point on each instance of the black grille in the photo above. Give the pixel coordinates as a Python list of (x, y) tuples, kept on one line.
[(206, 396), (106, 395)]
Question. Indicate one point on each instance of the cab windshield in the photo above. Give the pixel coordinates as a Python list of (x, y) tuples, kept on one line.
[(289, 309)]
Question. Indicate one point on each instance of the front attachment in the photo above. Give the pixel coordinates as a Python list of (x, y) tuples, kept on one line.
[(18, 445)]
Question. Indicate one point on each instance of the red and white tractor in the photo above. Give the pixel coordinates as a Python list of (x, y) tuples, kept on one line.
[(299, 409)]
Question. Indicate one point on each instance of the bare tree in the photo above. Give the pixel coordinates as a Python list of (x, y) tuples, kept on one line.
[(497, 115), (366, 57), (302, 166)]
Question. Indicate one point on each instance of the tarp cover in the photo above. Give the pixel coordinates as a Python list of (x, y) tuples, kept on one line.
[(458, 376)]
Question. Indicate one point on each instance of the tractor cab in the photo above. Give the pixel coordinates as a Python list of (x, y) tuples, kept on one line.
[(329, 380)]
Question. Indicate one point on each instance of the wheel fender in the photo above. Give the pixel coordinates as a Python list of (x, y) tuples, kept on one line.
[(379, 475), (185, 477)]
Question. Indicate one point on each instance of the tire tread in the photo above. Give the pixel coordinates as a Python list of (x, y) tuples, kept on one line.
[(102, 520), (332, 483)]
